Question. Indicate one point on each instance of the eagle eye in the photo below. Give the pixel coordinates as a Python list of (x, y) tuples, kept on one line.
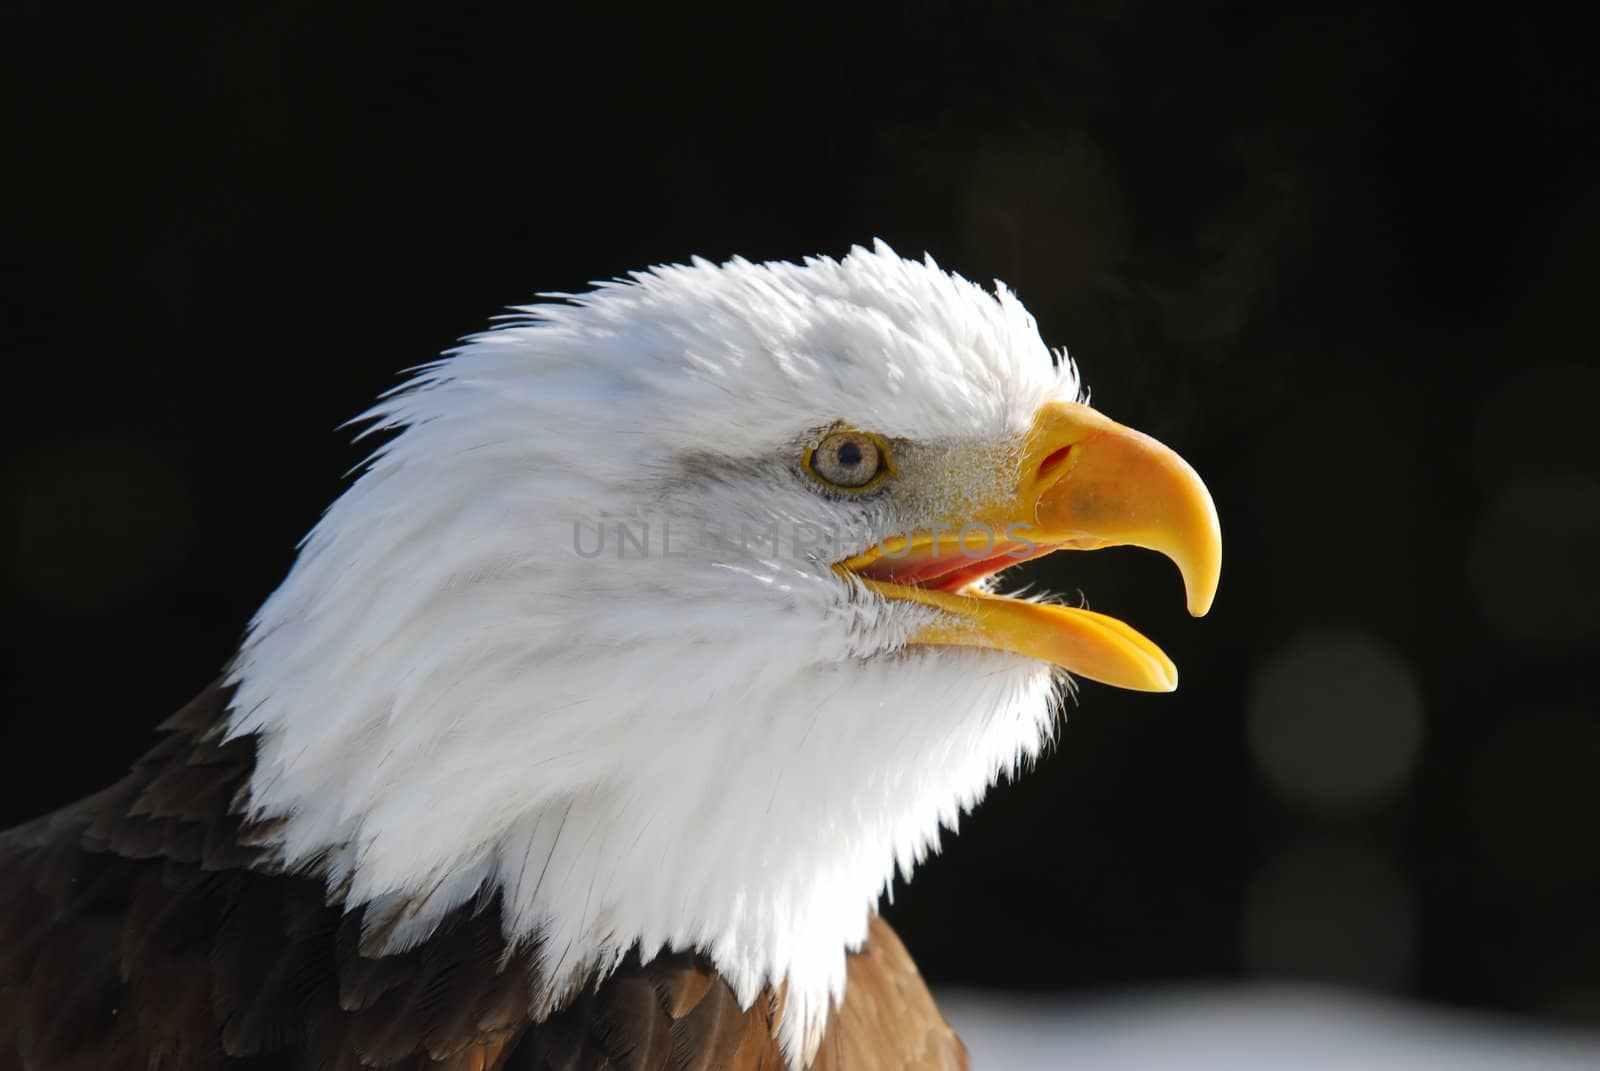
[(849, 460)]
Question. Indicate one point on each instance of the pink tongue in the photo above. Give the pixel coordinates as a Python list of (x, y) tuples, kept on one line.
[(952, 568)]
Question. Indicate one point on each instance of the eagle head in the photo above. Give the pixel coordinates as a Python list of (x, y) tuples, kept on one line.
[(664, 616)]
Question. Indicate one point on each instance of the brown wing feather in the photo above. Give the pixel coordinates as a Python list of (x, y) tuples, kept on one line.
[(888, 1020), (140, 928)]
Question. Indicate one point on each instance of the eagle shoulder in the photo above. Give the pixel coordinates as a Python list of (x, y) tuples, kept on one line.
[(143, 927)]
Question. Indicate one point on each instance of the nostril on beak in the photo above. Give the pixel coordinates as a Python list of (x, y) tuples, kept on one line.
[(1057, 458)]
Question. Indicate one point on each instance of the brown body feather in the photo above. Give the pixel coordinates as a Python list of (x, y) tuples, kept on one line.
[(139, 929)]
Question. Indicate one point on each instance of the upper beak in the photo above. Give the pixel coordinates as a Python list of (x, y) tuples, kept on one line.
[(1095, 481), (1083, 482)]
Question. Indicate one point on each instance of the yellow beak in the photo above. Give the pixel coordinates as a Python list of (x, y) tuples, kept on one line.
[(1083, 482)]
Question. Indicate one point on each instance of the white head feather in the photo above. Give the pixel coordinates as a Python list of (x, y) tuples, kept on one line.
[(718, 744)]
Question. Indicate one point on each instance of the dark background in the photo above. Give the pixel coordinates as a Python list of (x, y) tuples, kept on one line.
[(1347, 266)]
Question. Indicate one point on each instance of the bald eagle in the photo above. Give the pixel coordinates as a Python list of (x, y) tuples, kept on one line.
[(594, 717)]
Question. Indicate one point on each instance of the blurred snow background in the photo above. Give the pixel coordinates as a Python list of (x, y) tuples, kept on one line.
[(1250, 1029)]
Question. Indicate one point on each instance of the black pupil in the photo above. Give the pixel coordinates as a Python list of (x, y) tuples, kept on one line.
[(850, 454)]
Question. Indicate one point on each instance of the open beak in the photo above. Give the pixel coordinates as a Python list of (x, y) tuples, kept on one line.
[(1084, 482)]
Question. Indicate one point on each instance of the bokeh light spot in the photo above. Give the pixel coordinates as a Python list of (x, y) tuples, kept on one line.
[(1329, 913), (1539, 420), (1335, 721), (1534, 566)]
